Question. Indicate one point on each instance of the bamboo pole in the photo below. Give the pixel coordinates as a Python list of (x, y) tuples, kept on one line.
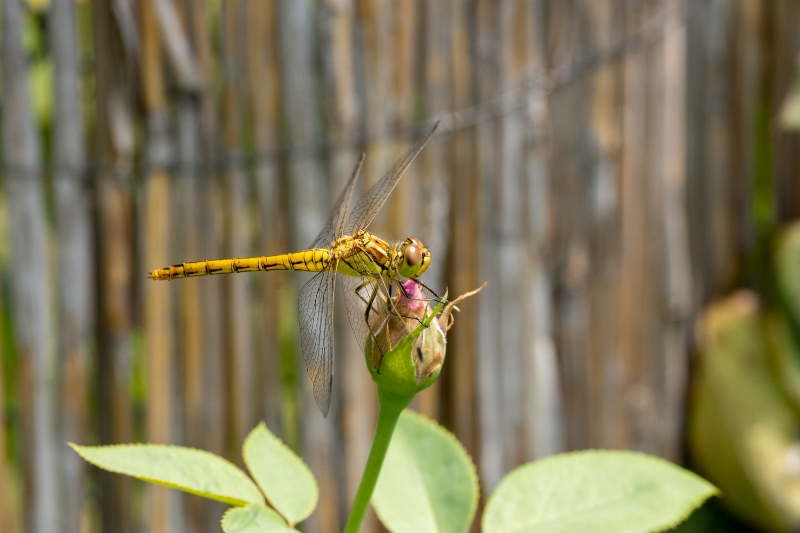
[(678, 283), (425, 211), (29, 279), (605, 403), (781, 45), (573, 259), (188, 238), (263, 76), (162, 504), (374, 25), (510, 182), (646, 411), (114, 259), (76, 276), (542, 393), (489, 57), (659, 370), (204, 379), (402, 209), (238, 329), (191, 301), (745, 87), (712, 191), (460, 387), (306, 194), (176, 45), (633, 287)]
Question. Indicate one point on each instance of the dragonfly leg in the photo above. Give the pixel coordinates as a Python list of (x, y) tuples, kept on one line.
[(357, 290), (437, 299), (369, 301), (429, 290)]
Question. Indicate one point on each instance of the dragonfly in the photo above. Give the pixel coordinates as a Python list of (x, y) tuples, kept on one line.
[(369, 266)]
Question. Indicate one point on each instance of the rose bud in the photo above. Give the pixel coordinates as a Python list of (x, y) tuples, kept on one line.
[(406, 353)]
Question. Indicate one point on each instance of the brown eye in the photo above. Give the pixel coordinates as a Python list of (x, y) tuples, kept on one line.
[(416, 241), (413, 255)]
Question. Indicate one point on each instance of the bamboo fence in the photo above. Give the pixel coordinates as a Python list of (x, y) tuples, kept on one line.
[(607, 166)]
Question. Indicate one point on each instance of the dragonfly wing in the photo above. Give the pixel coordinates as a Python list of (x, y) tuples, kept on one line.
[(316, 334), (372, 201), (333, 228), (358, 292)]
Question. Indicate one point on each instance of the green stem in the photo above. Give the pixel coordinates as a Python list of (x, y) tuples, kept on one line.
[(391, 405)]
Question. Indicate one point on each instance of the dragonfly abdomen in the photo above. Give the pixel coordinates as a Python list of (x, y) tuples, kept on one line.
[(313, 260)]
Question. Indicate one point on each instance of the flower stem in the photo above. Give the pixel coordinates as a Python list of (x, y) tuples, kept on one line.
[(391, 405)]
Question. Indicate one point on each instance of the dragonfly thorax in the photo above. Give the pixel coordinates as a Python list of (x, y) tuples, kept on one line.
[(365, 254)]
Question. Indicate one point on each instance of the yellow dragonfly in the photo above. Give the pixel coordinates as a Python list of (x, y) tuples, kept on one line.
[(371, 268)]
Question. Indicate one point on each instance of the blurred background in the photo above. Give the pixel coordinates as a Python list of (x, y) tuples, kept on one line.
[(620, 172)]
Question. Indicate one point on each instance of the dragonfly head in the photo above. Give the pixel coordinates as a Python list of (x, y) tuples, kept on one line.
[(415, 258)]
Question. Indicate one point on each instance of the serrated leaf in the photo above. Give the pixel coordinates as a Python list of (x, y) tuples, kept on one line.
[(194, 471), (428, 482), (284, 478), (595, 490), (254, 519)]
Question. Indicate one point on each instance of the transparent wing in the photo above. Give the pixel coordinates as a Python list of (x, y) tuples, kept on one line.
[(358, 291), (316, 334), (372, 201), (333, 228)]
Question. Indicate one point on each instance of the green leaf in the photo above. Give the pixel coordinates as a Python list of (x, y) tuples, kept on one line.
[(194, 471), (254, 519), (595, 490), (428, 482), (283, 477)]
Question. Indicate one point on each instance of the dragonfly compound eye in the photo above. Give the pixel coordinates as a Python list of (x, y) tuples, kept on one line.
[(413, 255)]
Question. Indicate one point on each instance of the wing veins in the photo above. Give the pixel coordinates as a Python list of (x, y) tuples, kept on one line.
[(315, 313), (335, 224), (368, 206)]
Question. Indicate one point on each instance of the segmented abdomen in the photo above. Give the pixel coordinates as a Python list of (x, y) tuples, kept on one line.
[(313, 260)]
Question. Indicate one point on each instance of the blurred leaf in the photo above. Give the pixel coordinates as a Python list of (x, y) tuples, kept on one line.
[(42, 89), (428, 482), (595, 490), (283, 477), (742, 430), (787, 267), (254, 519), (790, 109), (39, 5), (194, 471), (783, 328)]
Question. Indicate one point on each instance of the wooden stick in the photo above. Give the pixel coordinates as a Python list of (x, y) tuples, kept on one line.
[(31, 292), (162, 502), (76, 284)]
